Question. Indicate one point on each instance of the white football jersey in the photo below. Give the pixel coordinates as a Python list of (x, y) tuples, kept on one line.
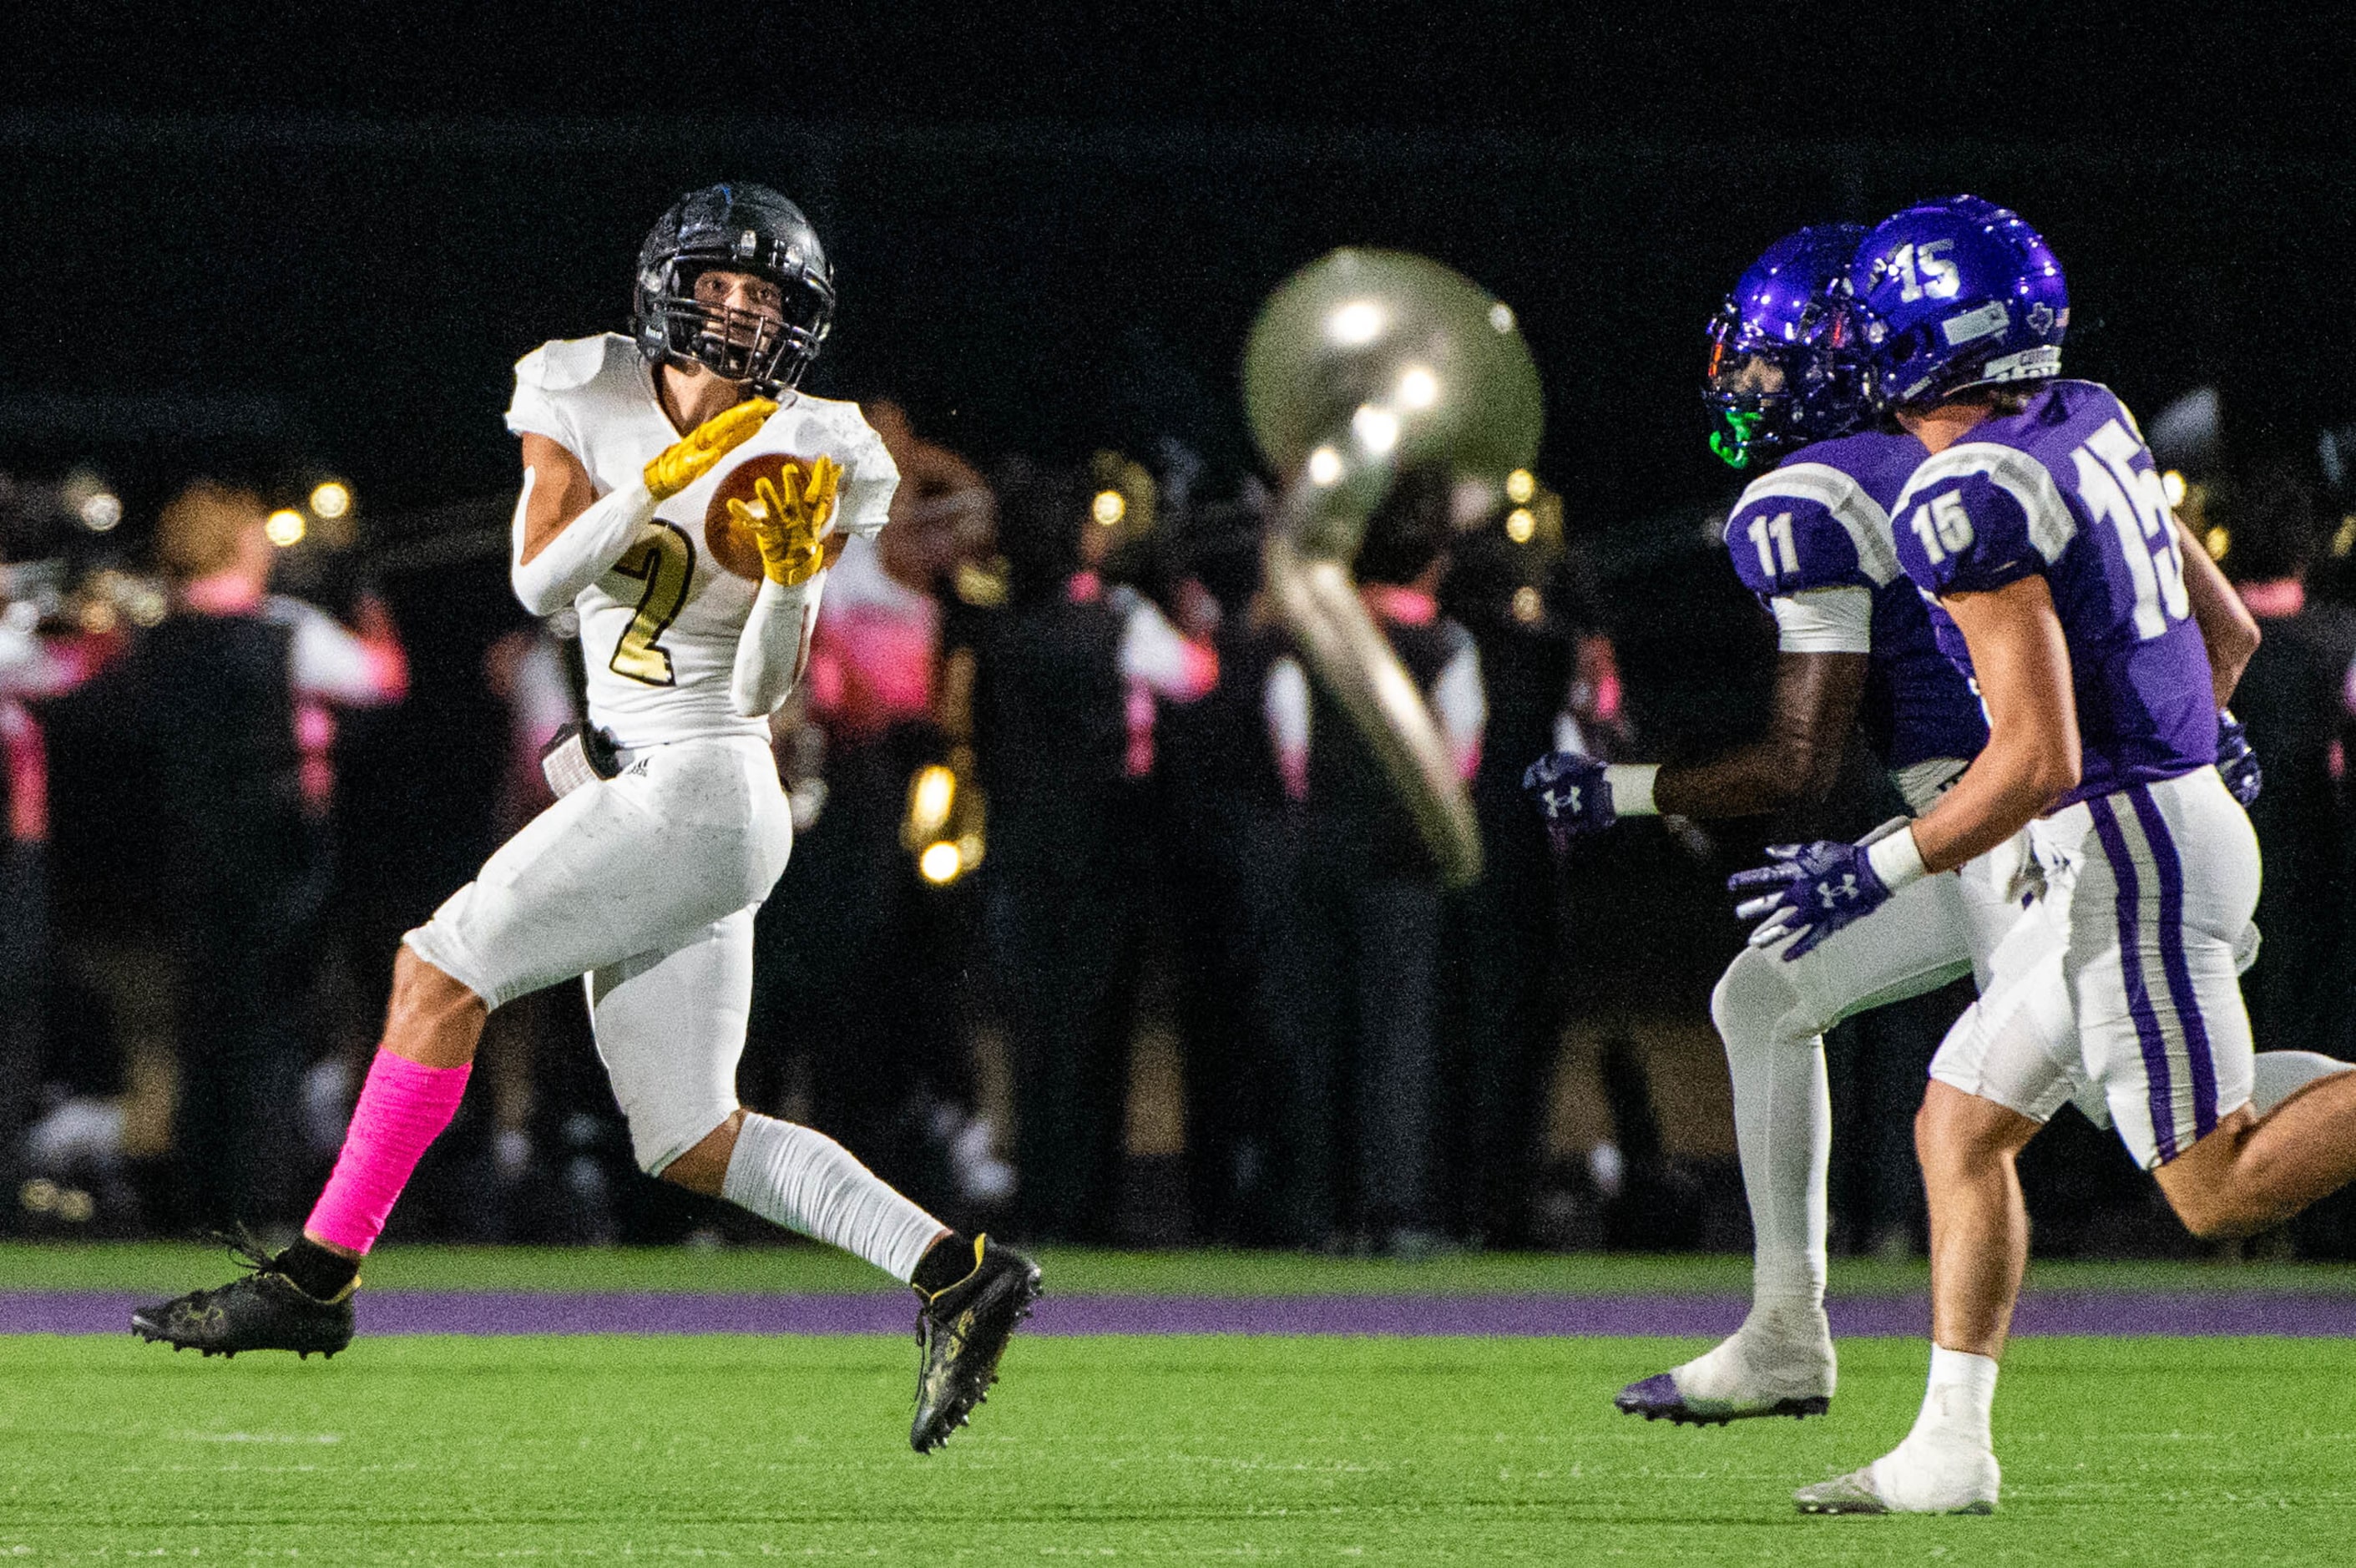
[(659, 631)]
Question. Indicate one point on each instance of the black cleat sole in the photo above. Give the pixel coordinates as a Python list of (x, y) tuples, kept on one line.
[(1686, 1415)]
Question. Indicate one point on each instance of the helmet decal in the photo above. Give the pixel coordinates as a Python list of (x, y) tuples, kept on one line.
[(1997, 313)]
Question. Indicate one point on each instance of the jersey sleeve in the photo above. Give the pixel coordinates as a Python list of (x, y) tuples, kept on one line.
[(1783, 544), (1961, 529), (868, 479), (536, 407)]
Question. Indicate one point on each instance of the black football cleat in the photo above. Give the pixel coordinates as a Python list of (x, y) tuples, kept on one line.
[(961, 1332), (263, 1310)]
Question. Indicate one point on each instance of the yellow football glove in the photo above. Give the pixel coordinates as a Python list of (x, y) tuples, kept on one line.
[(690, 457), (790, 519)]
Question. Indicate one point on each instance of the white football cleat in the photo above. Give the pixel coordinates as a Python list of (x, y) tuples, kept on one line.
[(1781, 1364), (1914, 1478)]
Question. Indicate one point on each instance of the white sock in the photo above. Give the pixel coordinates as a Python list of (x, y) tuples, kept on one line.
[(2281, 1074), (805, 1181), (1957, 1402), (1782, 1128)]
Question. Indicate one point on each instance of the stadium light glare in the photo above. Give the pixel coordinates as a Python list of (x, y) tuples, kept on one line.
[(1324, 465), (1529, 606), (1378, 429), (940, 864), (1520, 486), (1355, 323), (2218, 540), (1417, 387), (1521, 524), (100, 512), (330, 498), (1109, 508), (929, 808), (2171, 485), (284, 527)]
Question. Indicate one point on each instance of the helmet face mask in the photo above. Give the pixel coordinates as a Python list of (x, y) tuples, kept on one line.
[(1782, 370), (746, 229)]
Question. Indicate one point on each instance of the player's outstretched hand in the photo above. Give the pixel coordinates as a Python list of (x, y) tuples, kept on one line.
[(1571, 794), (2235, 761), (691, 456), (790, 519), (1813, 889)]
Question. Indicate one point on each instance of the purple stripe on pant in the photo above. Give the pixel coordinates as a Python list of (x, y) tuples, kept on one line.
[(2146, 1023), (2170, 866)]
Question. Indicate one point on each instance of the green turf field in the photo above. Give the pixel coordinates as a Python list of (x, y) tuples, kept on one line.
[(1171, 1450), (167, 1267), (585, 1450)]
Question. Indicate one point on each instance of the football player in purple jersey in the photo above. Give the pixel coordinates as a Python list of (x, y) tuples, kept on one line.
[(2103, 643), (1812, 538)]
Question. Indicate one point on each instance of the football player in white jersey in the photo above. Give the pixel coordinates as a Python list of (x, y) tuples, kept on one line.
[(685, 499)]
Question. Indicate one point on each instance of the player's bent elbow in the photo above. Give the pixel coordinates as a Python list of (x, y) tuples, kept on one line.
[(1802, 772), (2053, 773), (537, 597)]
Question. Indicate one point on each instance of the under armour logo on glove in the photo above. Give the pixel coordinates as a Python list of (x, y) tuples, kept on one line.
[(1808, 892), (1571, 794), (2236, 763)]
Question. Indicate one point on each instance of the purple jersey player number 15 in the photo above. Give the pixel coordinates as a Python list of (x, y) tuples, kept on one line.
[(2065, 488)]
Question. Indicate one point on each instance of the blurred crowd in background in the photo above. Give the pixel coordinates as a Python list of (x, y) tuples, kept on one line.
[(1100, 925)]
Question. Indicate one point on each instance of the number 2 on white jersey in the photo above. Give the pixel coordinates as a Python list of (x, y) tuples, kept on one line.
[(1778, 529), (663, 559)]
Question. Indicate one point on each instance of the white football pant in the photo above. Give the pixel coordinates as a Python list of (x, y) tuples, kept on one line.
[(645, 884)]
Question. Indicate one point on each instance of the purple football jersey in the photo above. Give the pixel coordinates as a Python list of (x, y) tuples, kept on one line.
[(2066, 489), (1822, 521)]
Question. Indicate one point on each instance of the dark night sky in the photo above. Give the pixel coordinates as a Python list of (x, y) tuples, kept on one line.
[(1052, 231)]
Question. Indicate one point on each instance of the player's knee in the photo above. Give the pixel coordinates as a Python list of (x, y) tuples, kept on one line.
[(702, 1165), (2212, 1215), (1954, 1131), (421, 988), (1754, 1003)]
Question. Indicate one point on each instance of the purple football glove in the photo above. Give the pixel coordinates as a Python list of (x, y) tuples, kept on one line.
[(1814, 889), (2236, 763), (1571, 794)]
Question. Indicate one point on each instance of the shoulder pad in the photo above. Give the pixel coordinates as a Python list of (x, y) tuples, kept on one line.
[(566, 364)]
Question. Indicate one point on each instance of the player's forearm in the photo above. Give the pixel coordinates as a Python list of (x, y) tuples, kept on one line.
[(2227, 627), (1765, 776), (773, 651), (2017, 779), (579, 551), (1814, 704)]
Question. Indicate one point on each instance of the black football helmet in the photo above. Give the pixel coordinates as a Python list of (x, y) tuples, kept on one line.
[(743, 228)]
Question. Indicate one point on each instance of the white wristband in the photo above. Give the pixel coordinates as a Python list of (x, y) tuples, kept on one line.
[(1631, 788), (1897, 859)]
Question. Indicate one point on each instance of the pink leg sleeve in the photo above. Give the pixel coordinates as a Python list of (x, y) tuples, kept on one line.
[(403, 1106)]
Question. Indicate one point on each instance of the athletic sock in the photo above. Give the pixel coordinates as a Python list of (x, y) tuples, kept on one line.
[(945, 1262), (1958, 1399), (318, 1274), (799, 1177), (403, 1106), (1783, 1123)]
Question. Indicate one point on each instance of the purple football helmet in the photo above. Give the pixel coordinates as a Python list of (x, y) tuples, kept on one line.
[(1956, 294), (1781, 371)]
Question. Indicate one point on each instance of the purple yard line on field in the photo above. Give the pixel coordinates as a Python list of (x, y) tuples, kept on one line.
[(2217, 1312)]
